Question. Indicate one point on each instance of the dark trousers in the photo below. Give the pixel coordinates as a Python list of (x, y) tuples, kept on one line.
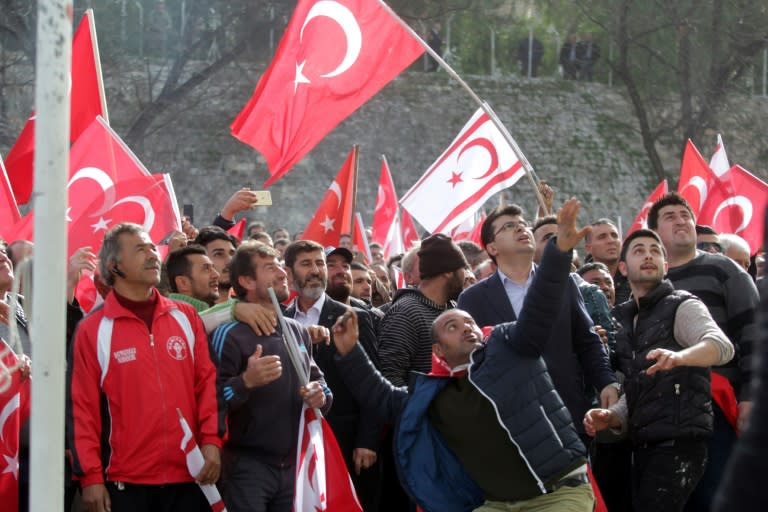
[(393, 497), (612, 469), (664, 474), (368, 482), (249, 485), (719, 450), (186, 497)]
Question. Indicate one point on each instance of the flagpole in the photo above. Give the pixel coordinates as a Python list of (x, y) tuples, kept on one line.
[(482, 104), (48, 324), (97, 61), (354, 191)]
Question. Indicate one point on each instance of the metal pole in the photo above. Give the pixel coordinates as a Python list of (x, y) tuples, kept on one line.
[(271, 27), (483, 105), (123, 16), (493, 52), (610, 59), (530, 53), (183, 19), (765, 72), (140, 8), (48, 326)]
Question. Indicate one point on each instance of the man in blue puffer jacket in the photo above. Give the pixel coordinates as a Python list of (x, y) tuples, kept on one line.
[(486, 428)]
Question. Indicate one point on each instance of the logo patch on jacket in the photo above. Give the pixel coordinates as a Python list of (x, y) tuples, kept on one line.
[(126, 355), (177, 348)]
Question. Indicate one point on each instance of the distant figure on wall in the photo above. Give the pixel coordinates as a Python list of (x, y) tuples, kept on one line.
[(569, 58), (529, 48), (587, 53), (436, 43)]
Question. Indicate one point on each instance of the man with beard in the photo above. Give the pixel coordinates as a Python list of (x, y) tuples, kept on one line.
[(358, 434), (362, 282), (574, 353), (192, 277), (263, 402)]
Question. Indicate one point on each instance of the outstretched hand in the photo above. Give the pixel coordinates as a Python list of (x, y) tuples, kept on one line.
[(568, 233), (345, 332)]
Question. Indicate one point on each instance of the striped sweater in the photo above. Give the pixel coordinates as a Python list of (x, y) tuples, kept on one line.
[(731, 296), (405, 335)]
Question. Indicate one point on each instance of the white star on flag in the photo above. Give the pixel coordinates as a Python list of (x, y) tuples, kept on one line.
[(12, 465), (300, 78), (102, 224), (328, 224)]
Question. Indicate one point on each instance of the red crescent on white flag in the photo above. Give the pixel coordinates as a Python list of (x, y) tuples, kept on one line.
[(490, 148)]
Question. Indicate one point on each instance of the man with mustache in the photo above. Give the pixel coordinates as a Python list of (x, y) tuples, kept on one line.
[(134, 363), (309, 266)]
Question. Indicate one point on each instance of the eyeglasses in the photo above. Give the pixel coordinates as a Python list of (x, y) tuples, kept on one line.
[(710, 247), (512, 225)]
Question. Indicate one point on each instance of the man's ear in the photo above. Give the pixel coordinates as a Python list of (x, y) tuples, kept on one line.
[(247, 282), (182, 283), (491, 249), (623, 268), (437, 350)]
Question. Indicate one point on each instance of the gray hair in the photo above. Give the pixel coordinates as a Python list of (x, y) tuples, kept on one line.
[(409, 259), (109, 255), (728, 240)]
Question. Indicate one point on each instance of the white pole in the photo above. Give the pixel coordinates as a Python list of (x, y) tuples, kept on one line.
[(483, 105), (493, 52), (48, 326), (610, 68), (530, 53), (765, 72)]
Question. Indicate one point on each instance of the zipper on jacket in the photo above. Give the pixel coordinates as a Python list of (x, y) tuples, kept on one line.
[(677, 403), (163, 399), (551, 426)]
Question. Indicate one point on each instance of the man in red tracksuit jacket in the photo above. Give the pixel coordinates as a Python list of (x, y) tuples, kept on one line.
[(134, 362)]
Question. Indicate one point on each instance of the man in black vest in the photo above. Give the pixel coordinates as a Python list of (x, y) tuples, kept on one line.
[(665, 345)]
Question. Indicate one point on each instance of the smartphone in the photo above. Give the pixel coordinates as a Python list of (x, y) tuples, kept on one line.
[(188, 210), (263, 197)]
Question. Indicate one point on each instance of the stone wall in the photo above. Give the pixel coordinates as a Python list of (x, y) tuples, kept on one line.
[(581, 138)]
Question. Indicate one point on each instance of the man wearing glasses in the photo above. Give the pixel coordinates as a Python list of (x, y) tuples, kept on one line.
[(573, 353), (707, 240)]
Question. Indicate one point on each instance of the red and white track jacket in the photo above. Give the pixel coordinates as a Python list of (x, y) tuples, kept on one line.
[(126, 383)]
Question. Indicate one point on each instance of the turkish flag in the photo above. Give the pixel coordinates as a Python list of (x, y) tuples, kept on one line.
[(9, 210), (360, 239), (333, 57), (696, 178), (87, 100), (393, 243), (641, 221), (478, 163), (386, 206), (97, 161), (322, 479), (238, 230), (14, 412), (736, 204), (408, 231), (333, 216)]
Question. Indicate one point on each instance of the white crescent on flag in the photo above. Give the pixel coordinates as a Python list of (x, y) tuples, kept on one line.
[(478, 163)]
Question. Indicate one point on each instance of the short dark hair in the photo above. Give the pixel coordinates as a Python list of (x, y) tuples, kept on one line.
[(473, 253), (486, 231), (603, 221), (356, 265), (375, 245), (543, 221), (208, 234), (640, 233), (178, 264), (669, 199), (298, 247), (242, 263), (593, 265), (703, 229)]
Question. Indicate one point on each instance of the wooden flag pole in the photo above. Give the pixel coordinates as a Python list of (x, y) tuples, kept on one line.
[(529, 172), (356, 147), (97, 61)]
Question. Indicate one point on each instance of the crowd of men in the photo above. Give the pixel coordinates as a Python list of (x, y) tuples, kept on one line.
[(487, 381)]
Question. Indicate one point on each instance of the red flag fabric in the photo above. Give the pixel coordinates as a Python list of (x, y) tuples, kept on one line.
[(476, 235), (386, 206), (725, 398), (87, 101), (238, 230), (333, 216), (360, 239), (478, 163), (322, 480), (696, 178), (14, 411), (736, 204), (9, 210), (409, 233), (393, 244), (333, 57), (195, 462), (641, 221)]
